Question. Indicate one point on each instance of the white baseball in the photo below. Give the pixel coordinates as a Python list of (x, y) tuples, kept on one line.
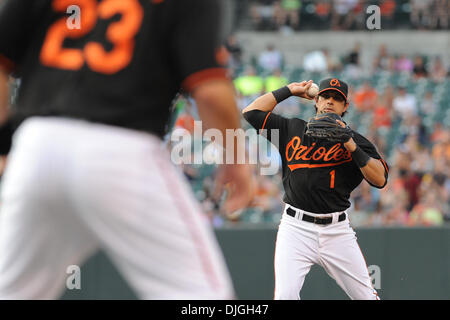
[(313, 90)]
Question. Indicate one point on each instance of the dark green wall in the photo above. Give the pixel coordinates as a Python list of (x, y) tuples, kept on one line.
[(414, 264)]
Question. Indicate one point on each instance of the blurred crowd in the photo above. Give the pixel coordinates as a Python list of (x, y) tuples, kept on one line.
[(297, 15), (271, 60), (407, 117)]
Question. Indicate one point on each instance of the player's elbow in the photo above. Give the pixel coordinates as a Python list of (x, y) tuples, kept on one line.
[(212, 92), (382, 184), (379, 182)]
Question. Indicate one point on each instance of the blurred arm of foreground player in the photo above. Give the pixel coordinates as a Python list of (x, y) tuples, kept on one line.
[(5, 126), (4, 94), (217, 109)]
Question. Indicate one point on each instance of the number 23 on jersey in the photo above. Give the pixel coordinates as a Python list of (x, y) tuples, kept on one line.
[(121, 34)]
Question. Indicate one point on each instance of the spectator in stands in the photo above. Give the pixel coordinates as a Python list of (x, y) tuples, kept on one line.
[(249, 86), (389, 96), (440, 14), (398, 214), (365, 97), (288, 14), (404, 104), (404, 64), (438, 71), (387, 11), (419, 69), (441, 149), (235, 50), (270, 59), (354, 55), (352, 67), (376, 219), (411, 182), (382, 114), (315, 61), (266, 192), (345, 13), (422, 163), (414, 133), (392, 64), (323, 9), (439, 133), (427, 211), (363, 204), (381, 61), (420, 13), (275, 81), (428, 105), (333, 63), (262, 13)]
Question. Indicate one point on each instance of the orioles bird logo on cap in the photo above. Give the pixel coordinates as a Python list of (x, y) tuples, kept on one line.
[(335, 82)]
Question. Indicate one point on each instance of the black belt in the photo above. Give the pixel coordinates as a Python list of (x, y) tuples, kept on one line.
[(316, 220)]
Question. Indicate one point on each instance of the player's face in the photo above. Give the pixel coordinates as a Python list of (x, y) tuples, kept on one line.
[(331, 101)]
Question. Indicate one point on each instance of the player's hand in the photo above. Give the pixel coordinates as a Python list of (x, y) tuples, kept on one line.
[(300, 89), (237, 180), (350, 145)]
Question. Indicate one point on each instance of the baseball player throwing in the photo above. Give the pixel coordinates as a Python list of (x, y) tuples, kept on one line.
[(323, 161), (86, 169)]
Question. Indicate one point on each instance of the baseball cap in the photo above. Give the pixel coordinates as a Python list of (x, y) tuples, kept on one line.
[(334, 84)]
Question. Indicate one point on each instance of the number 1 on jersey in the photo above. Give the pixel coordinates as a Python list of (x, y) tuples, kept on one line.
[(332, 174)]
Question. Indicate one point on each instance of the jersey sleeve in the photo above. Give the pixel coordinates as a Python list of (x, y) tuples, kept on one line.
[(14, 24), (268, 124), (372, 152), (197, 43)]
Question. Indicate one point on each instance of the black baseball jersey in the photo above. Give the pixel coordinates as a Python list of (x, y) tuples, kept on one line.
[(123, 65), (318, 175)]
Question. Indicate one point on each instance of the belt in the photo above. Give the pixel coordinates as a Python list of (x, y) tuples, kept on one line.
[(316, 220)]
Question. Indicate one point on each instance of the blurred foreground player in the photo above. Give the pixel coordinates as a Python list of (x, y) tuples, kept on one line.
[(86, 169)]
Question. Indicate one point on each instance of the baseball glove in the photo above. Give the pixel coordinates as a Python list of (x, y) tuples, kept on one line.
[(324, 126)]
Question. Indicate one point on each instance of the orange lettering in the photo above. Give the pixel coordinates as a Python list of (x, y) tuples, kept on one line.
[(52, 53), (120, 33), (294, 144), (296, 151), (330, 152), (299, 152), (303, 157), (319, 153), (338, 155)]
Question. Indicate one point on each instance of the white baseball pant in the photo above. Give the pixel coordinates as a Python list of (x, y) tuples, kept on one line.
[(72, 187), (300, 244)]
